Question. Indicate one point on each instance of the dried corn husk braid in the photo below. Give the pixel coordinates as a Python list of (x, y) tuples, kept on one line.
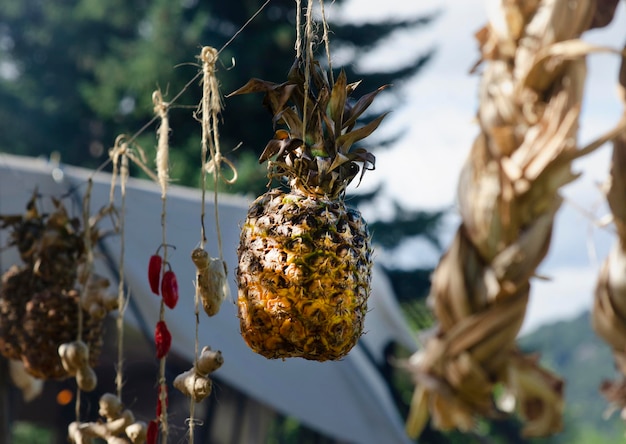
[(530, 98), (609, 310)]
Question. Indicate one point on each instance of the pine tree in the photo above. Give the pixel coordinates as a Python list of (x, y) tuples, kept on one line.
[(77, 73)]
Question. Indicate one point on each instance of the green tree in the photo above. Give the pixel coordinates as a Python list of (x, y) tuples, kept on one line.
[(76, 73)]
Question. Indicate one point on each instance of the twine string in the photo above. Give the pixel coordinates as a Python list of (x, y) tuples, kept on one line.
[(298, 45), (122, 150), (211, 108), (326, 39), (308, 55), (84, 278), (206, 54), (161, 109), (121, 298)]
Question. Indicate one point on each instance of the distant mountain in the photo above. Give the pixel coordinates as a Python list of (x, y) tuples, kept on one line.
[(573, 350)]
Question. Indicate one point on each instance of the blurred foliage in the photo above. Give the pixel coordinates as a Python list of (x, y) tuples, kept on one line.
[(28, 433), (76, 73), (407, 223)]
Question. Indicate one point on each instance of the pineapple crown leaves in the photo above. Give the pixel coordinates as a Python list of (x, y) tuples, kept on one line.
[(319, 158)]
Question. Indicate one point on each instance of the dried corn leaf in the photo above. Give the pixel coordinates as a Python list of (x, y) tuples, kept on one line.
[(530, 99)]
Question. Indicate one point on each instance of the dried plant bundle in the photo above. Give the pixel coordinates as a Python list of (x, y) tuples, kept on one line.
[(530, 99), (41, 305), (609, 310)]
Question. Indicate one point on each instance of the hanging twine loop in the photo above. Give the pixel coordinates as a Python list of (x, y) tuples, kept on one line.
[(211, 107), (162, 166), (119, 156), (194, 383)]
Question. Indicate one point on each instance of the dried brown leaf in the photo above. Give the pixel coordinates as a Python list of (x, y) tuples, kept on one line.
[(359, 108), (345, 141), (418, 413), (337, 102)]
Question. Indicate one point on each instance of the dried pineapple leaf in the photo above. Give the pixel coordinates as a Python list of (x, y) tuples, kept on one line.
[(351, 87), (279, 146), (339, 160), (253, 86), (345, 141), (291, 118), (336, 105), (330, 136), (319, 77), (296, 77), (359, 107), (366, 158), (276, 95), (314, 136)]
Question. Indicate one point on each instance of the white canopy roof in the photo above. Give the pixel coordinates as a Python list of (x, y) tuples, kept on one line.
[(347, 400)]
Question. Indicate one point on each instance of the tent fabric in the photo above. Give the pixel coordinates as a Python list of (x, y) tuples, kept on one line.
[(347, 399)]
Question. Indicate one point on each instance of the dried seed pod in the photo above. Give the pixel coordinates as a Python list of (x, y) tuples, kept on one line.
[(86, 379), (76, 435), (162, 339), (74, 355), (96, 301), (137, 432), (75, 360), (193, 385), (169, 289), (117, 422), (209, 361), (211, 280), (195, 382), (154, 272)]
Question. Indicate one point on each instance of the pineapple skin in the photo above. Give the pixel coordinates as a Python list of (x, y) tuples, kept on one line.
[(303, 276)]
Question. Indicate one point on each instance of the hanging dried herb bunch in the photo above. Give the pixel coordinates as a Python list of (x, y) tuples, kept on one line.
[(39, 299)]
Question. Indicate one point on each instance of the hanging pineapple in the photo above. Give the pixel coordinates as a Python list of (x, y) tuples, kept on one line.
[(304, 257)]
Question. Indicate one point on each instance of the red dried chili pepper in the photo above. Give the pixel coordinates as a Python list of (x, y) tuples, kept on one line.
[(162, 339), (153, 432), (169, 289), (154, 272)]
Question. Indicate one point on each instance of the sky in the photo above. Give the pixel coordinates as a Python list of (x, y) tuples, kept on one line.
[(422, 169)]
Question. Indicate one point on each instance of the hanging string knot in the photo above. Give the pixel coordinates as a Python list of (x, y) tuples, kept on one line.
[(208, 55), (160, 107)]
